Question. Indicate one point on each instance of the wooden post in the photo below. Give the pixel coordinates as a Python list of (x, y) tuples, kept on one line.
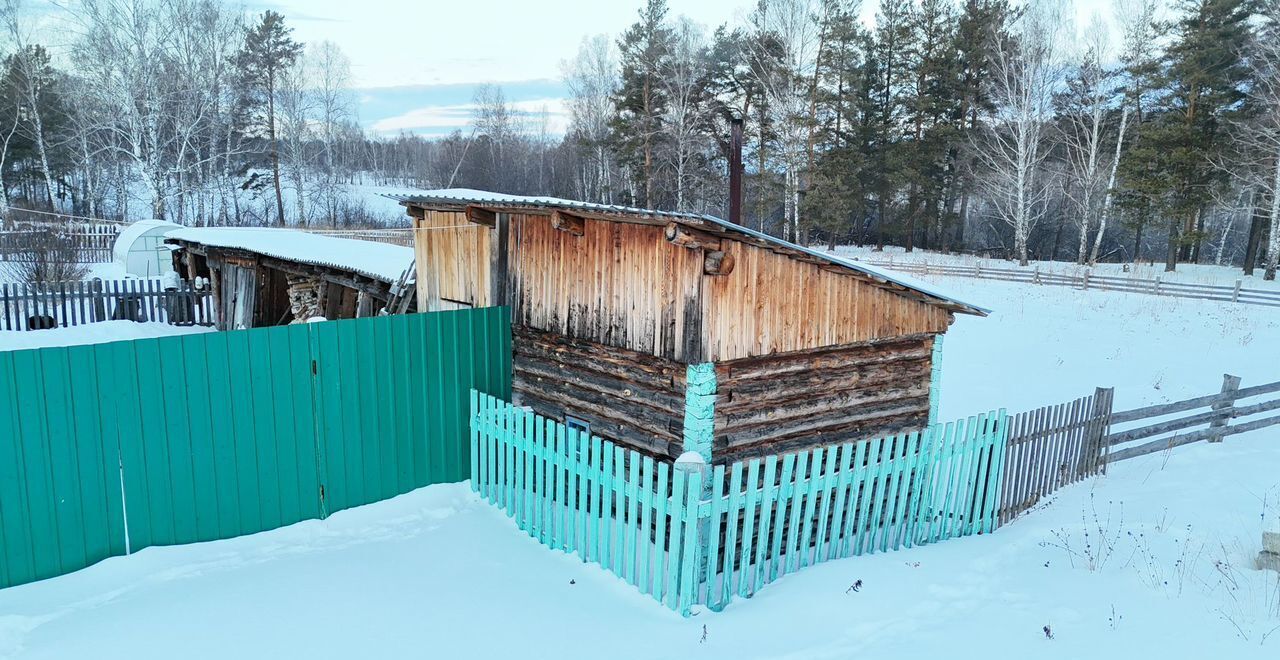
[(1086, 280), (1036, 278), (935, 379), (1235, 292), (1097, 445), (1226, 406), (1157, 285)]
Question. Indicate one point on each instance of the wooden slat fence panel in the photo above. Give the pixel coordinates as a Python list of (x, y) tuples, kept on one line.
[(78, 303), (1052, 447), (704, 535)]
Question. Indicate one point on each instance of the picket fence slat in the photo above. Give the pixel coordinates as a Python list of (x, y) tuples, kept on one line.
[(684, 541)]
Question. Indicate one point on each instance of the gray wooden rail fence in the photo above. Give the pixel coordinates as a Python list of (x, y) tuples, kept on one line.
[(1054, 446), (1156, 287), (35, 307), (1211, 417)]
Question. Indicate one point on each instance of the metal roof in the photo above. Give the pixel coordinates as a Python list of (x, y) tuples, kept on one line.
[(460, 197)]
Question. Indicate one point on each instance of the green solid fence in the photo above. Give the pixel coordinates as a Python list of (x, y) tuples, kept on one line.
[(110, 448)]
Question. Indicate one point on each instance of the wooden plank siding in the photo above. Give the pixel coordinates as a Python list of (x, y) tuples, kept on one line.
[(803, 399), (623, 284), (618, 284), (452, 257), (771, 303)]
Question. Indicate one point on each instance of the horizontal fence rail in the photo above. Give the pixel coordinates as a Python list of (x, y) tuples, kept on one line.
[(1087, 280), (1212, 417), (691, 534), (392, 236), (1052, 447), (64, 304)]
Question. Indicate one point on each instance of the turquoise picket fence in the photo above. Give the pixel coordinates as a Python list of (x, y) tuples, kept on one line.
[(692, 534)]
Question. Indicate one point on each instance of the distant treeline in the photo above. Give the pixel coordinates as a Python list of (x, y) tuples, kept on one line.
[(961, 125)]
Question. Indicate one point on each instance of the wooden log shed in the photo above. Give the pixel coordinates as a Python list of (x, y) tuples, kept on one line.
[(253, 287), (674, 332)]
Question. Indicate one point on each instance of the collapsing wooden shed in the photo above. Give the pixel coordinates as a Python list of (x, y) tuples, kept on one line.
[(670, 332), (262, 277)]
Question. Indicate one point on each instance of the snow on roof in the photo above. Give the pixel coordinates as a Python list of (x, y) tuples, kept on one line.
[(467, 196), (377, 260)]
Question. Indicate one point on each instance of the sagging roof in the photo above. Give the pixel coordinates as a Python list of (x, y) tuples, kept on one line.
[(378, 261), (457, 199)]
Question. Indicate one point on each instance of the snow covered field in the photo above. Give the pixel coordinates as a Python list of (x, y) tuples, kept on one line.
[(1153, 560), (1186, 273)]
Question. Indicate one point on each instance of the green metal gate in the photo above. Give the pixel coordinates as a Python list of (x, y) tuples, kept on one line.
[(110, 448)]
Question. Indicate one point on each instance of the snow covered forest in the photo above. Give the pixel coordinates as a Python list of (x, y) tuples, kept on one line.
[(1006, 128)]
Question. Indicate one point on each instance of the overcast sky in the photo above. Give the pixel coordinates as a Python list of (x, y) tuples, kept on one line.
[(416, 63)]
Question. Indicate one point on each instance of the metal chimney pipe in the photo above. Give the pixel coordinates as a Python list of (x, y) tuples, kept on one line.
[(735, 171)]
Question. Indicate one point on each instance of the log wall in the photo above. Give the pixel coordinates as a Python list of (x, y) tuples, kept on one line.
[(788, 402), (627, 396)]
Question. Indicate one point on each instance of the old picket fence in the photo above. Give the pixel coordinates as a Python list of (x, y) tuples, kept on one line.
[(25, 306), (109, 448), (90, 242), (691, 535)]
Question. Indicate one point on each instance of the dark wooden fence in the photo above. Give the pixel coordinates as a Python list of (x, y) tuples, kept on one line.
[(1051, 447), (1165, 426), (93, 243), (30, 306)]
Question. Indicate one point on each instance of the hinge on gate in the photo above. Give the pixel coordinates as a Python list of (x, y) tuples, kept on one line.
[(322, 493), (314, 367)]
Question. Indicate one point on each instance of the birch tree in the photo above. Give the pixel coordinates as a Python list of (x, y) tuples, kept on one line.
[(684, 86), (1086, 106), (1260, 136), (786, 46), (1024, 70), (331, 82), (30, 65), (592, 79)]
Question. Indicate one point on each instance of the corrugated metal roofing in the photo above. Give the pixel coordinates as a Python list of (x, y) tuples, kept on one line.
[(467, 196), (379, 261)]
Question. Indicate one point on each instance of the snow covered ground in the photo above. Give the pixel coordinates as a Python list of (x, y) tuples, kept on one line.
[(93, 333), (1185, 273), (1152, 560)]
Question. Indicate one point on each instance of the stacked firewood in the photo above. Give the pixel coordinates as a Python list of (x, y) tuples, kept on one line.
[(304, 298)]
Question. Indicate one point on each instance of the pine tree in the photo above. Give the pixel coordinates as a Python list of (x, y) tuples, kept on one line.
[(888, 68), (980, 23), (1203, 84), (932, 110), (643, 52), (268, 51)]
